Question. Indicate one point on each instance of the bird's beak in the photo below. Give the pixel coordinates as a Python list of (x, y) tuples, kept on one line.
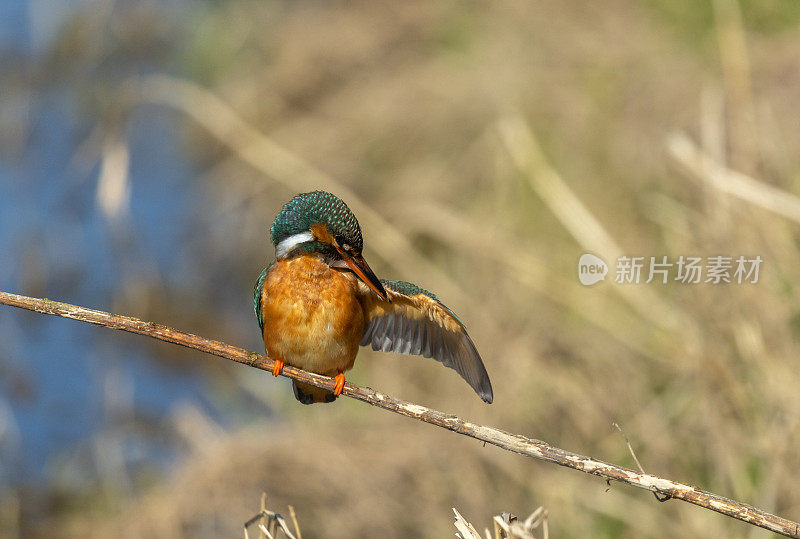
[(365, 273)]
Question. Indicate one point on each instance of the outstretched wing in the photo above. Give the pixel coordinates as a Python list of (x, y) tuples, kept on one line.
[(417, 323), (257, 295)]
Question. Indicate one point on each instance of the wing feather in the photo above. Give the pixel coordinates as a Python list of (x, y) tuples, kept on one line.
[(425, 342), (400, 339), (408, 337), (417, 323), (388, 335), (257, 289), (377, 336), (416, 339), (368, 329)]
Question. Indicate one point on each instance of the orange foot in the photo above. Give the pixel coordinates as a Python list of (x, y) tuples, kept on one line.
[(338, 386), (278, 368)]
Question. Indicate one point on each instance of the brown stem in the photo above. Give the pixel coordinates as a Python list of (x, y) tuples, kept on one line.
[(510, 442)]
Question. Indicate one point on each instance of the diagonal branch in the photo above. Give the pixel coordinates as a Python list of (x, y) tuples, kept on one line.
[(510, 442)]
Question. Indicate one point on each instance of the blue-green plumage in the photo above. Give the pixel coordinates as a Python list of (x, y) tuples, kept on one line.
[(306, 209), (409, 289), (257, 294)]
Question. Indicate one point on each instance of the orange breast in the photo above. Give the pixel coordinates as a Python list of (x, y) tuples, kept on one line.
[(312, 316)]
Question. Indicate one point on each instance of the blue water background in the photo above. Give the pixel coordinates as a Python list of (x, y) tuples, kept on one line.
[(56, 374)]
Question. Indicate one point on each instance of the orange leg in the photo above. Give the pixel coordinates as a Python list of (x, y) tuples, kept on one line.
[(278, 368), (338, 386)]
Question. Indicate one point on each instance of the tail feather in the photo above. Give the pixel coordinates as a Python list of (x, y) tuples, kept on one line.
[(308, 394)]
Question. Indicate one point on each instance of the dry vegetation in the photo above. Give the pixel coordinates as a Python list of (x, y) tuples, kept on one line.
[(448, 127)]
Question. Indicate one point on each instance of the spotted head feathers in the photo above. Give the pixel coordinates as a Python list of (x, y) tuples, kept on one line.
[(305, 210)]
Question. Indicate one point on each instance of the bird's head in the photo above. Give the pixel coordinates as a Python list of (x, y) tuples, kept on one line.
[(319, 222)]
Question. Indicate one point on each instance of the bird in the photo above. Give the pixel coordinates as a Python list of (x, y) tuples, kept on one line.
[(319, 301)]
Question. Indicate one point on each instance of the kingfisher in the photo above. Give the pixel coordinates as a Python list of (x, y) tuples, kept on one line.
[(319, 301)]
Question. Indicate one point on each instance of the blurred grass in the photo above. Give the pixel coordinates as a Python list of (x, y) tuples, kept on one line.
[(695, 20), (400, 104)]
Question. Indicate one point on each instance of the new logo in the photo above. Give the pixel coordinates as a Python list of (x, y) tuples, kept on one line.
[(591, 269)]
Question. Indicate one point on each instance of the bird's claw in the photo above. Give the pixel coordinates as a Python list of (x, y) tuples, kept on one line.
[(338, 385), (277, 368)]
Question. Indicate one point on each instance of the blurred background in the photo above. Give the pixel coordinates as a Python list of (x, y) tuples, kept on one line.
[(145, 147)]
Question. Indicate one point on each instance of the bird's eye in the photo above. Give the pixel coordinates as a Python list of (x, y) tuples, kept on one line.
[(346, 247)]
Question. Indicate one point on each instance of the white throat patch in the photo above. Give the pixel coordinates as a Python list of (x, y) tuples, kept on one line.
[(288, 244)]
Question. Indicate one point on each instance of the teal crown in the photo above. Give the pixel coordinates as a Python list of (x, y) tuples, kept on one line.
[(307, 209)]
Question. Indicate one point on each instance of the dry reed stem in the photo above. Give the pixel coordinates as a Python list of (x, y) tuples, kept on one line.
[(294, 521), (465, 529), (703, 167), (269, 522), (736, 74), (507, 526), (630, 449), (510, 442)]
